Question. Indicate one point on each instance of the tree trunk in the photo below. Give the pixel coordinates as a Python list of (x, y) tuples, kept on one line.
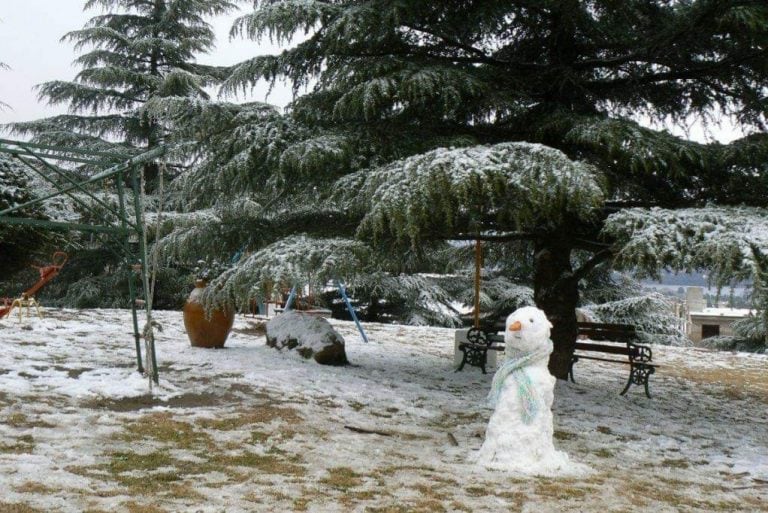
[(555, 290)]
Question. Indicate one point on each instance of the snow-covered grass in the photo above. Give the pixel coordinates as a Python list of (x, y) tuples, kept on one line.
[(247, 428)]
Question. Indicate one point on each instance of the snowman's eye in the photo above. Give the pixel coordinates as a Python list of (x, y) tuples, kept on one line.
[(531, 320)]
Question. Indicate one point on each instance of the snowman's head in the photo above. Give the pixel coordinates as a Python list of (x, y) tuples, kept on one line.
[(527, 330)]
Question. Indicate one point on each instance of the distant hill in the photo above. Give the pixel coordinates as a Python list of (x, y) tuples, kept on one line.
[(686, 280)]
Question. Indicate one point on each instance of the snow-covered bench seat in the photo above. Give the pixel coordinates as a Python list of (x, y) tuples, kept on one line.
[(619, 340)]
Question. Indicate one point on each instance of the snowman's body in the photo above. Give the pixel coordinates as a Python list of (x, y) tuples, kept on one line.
[(519, 438)]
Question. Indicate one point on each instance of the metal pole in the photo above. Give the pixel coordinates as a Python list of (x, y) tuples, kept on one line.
[(289, 301), (351, 309), (131, 276), (144, 278), (75, 151), (69, 179), (478, 267), (130, 164)]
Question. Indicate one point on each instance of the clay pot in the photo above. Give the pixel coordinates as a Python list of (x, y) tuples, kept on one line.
[(204, 331)]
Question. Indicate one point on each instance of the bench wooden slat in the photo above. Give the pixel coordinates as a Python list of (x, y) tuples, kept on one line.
[(584, 357), (605, 348), (605, 326), (606, 333)]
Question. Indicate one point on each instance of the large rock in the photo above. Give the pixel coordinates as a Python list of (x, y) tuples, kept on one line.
[(310, 336)]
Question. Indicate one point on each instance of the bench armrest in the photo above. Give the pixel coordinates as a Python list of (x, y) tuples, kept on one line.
[(639, 353)]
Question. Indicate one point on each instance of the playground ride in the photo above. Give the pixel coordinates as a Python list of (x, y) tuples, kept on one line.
[(123, 222), (25, 302), (27, 298)]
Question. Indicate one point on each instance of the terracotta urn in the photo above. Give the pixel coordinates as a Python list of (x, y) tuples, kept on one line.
[(204, 330)]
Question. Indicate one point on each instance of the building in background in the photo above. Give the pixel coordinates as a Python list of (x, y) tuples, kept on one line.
[(705, 322)]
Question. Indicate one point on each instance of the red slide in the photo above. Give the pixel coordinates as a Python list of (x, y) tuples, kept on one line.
[(47, 273)]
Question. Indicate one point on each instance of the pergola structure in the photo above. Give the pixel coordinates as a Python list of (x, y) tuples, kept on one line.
[(123, 222)]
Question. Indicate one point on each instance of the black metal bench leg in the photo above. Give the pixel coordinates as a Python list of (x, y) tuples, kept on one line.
[(629, 383), (570, 369), (647, 375), (463, 361), (638, 375)]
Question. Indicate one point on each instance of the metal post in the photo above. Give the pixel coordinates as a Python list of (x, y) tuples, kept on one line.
[(289, 301), (144, 278), (44, 153), (131, 276), (351, 310), (478, 268)]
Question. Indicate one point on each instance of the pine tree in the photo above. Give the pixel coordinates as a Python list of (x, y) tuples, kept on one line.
[(137, 50), (412, 76), (134, 52), (754, 329), (510, 122), (19, 244)]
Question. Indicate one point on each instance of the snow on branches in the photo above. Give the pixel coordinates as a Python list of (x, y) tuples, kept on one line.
[(446, 192), (14, 184), (652, 314), (715, 238), (296, 260)]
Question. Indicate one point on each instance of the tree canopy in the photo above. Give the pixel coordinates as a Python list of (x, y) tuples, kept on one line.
[(18, 243), (419, 124), (132, 52), (399, 79)]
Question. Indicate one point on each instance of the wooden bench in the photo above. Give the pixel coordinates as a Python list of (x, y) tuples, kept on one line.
[(608, 339), (615, 339), (475, 349)]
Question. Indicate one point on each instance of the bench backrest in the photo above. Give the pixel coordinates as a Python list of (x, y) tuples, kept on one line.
[(625, 349), (597, 331), (495, 338), (609, 332)]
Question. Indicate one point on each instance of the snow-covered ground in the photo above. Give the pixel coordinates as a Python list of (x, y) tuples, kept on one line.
[(246, 428)]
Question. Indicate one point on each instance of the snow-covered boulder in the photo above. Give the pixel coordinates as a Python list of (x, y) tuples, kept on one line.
[(310, 336)]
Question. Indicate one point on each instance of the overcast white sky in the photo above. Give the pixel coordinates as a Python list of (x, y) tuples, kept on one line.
[(29, 43)]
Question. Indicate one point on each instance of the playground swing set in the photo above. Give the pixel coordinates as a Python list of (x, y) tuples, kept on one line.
[(123, 224)]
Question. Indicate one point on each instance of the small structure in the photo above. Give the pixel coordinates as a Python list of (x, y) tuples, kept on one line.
[(705, 322)]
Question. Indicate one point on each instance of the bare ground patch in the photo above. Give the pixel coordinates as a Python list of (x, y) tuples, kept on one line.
[(136, 403), (737, 383)]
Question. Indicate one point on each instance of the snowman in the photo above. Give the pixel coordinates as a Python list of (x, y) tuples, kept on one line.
[(519, 434)]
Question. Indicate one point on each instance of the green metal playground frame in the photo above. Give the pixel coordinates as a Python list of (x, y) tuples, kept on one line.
[(113, 169)]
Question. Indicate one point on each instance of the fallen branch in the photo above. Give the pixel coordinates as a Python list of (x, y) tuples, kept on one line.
[(369, 431)]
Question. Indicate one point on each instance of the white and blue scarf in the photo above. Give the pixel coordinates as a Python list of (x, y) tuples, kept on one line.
[(515, 366)]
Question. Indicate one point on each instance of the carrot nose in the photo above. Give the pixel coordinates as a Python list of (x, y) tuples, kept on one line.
[(515, 326)]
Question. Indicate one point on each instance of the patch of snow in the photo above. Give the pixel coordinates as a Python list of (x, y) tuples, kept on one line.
[(69, 390)]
